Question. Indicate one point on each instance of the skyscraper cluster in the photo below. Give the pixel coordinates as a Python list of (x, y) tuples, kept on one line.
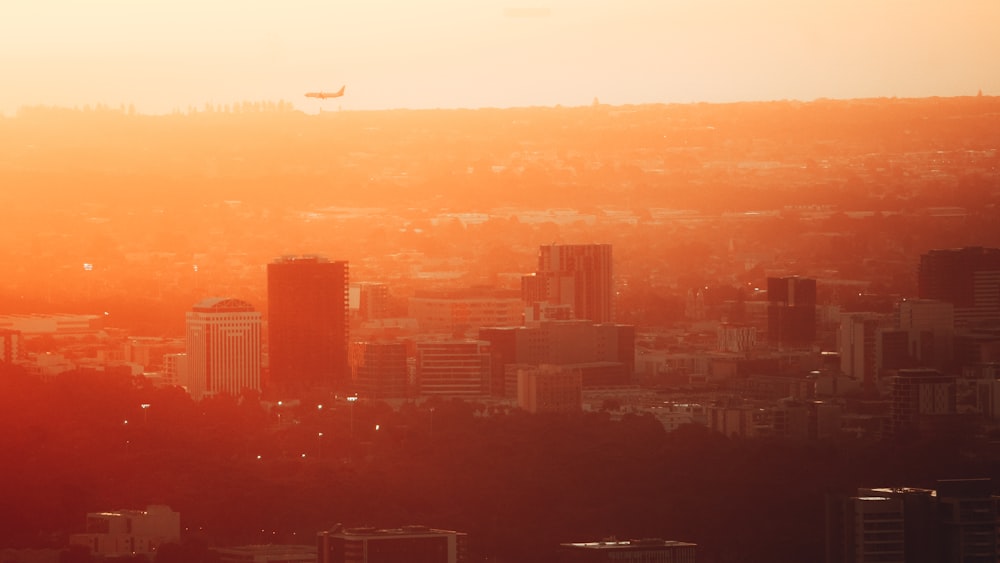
[(564, 317), (307, 334)]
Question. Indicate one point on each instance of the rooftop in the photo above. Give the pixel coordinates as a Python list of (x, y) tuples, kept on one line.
[(223, 305), (313, 258), (385, 532), (612, 544)]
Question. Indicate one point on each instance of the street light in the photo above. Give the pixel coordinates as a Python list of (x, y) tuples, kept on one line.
[(319, 445), (352, 399), (145, 408)]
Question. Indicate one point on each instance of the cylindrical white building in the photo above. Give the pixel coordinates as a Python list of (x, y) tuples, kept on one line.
[(223, 348)]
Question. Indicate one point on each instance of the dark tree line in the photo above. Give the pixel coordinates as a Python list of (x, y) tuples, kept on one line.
[(519, 484)]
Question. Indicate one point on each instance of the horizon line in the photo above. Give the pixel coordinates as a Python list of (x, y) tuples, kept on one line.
[(123, 107)]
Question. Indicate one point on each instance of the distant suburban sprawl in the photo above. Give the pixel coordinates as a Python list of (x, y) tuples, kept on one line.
[(746, 332)]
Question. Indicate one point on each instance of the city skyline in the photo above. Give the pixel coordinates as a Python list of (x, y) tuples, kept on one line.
[(794, 308), (160, 56)]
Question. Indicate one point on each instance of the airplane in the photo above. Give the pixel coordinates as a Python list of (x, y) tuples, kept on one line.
[(325, 95)]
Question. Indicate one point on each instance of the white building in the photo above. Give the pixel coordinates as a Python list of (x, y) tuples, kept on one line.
[(11, 346), (223, 347), (129, 532), (174, 369)]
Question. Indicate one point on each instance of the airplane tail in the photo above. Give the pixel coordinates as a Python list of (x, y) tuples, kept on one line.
[(341, 91)]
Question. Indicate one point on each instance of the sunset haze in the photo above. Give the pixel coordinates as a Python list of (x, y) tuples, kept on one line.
[(164, 56), (518, 281)]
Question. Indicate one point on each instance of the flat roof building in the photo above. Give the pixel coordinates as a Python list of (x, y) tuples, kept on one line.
[(453, 367), (465, 312), (650, 550), (412, 544), (129, 532)]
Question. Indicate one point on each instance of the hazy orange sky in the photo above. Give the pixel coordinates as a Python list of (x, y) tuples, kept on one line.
[(165, 55)]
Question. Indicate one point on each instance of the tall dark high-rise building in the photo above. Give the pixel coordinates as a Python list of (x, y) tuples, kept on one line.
[(575, 275), (956, 522), (968, 278), (791, 311), (308, 324)]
